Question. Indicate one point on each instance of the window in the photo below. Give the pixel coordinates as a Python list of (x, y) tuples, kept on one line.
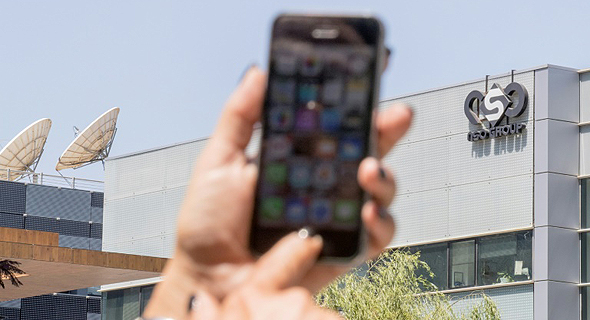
[(504, 258), (462, 263), (482, 261), (585, 214), (436, 258)]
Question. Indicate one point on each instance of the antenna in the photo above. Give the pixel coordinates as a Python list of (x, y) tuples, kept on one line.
[(23, 152), (91, 145), (76, 131)]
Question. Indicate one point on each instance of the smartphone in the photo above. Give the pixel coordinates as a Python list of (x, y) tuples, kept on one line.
[(317, 126)]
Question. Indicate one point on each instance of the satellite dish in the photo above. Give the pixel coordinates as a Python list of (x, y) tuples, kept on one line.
[(92, 144), (23, 152)]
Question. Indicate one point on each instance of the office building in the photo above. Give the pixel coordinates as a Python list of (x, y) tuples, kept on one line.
[(492, 190)]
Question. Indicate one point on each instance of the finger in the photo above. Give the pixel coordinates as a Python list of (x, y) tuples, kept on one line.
[(242, 110), (287, 262), (380, 231), (380, 228), (318, 313), (205, 307), (392, 124), (377, 181)]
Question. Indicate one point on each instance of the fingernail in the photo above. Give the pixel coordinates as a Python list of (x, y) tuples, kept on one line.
[(318, 239), (383, 212), (192, 303), (303, 233), (382, 174), (250, 66)]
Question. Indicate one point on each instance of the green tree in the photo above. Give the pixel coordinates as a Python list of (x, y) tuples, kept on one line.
[(8, 270), (391, 289)]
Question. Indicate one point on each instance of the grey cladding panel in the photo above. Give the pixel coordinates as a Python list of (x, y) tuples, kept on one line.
[(41, 224), (97, 199), (52, 202), (96, 244), (96, 230), (74, 242), (96, 214), (12, 197), (9, 220), (74, 228)]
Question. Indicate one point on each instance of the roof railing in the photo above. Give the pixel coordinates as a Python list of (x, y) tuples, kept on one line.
[(51, 180)]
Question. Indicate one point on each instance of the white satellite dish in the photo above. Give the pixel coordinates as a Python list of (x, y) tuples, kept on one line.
[(23, 152), (92, 144)]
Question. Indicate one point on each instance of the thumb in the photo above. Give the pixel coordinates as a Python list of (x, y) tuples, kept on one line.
[(288, 261)]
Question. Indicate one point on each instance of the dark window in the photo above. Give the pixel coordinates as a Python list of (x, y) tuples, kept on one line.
[(462, 271), (504, 258), (435, 257)]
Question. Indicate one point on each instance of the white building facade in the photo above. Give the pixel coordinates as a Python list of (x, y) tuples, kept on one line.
[(491, 190)]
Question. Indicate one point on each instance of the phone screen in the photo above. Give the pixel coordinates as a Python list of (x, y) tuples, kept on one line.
[(316, 131)]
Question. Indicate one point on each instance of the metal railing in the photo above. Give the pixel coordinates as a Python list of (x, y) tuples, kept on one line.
[(51, 180)]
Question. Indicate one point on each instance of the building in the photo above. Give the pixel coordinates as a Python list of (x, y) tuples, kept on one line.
[(492, 190), (56, 234)]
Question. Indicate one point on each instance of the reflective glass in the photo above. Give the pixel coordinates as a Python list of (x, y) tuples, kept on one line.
[(585, 303), (585, 209), (462, 264), (435, 257), (585, 246), (504, 258)]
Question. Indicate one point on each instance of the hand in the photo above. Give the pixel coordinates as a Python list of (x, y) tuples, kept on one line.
[(269, 292), (214, 222)]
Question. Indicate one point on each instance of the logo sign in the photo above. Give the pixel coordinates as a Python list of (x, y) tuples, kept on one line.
[(493, 107)]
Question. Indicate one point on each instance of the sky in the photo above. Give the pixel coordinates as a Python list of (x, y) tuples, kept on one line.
[(170, 65)]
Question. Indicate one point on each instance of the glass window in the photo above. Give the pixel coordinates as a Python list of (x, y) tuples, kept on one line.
[(585, 303), (436, 257), (504, 258), (146, 294), (585, 247), (585, 213), (121, 304), (462, 264)]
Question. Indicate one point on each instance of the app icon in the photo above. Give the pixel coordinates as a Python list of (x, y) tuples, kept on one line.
[(324, 176), (350, 148), (286, 63), (358, 64), (336, 64), (275, 173), (348, 186), (271, 208), (326, 148), (282, 91), (346, 211), (332, 92), (356, 92), (281, 118), (300, 174), (308, 92), (353, 119), (330, 120), (296, 211), (320, 211), (278, 147), (307, 120), (311, 65), (304, 145)]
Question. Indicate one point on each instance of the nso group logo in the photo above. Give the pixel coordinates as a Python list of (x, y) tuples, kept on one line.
[(493, 107)]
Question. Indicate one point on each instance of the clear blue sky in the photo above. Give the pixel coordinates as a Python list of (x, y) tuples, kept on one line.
[(169, 65)]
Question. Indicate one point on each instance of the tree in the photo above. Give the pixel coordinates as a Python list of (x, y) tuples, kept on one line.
[(8, 270), (391, 289)]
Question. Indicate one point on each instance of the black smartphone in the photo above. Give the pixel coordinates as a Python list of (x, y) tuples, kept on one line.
[(317, 126)]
